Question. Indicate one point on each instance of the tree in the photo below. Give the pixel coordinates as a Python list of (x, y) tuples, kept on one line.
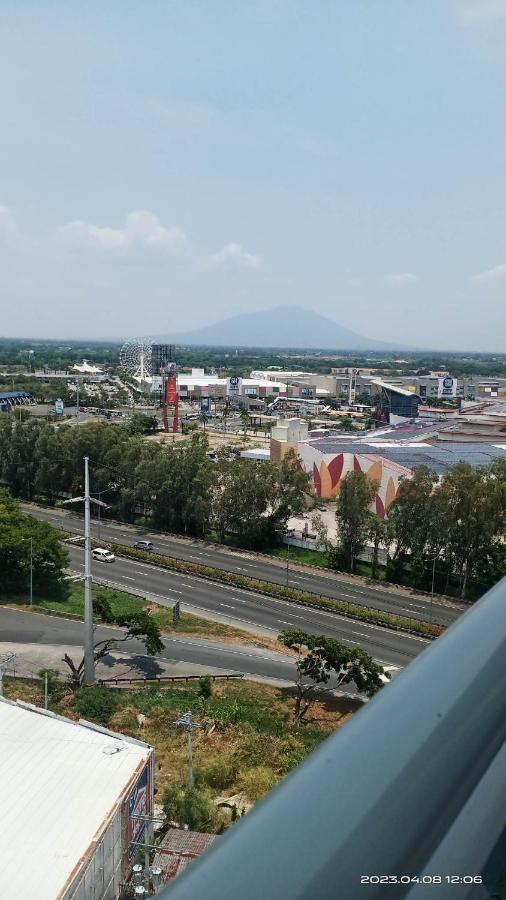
[(411, 517), (476, 502), (139, 625), (24, 539), (245, 419), (322, 659), (140, 423), (254, 500), (352, 516), (379, 533)]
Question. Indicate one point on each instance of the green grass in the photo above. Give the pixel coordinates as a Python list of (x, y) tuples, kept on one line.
[(247, 742), (300, 555), (315, 558)]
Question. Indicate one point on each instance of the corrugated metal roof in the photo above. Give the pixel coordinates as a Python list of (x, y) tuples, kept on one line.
[(59, 783), (178, 848), (437, 457), (15, 395)]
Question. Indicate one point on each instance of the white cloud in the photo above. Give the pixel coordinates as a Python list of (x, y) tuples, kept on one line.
[(142, 229), (232, 254), (491, 276), (401, 279), (480, 14)]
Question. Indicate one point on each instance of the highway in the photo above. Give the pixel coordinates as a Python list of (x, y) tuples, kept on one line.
[(399, 602), (19, 630), (249, 610)]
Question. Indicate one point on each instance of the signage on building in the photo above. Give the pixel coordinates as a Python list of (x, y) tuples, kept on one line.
[(138, 811), (204, 404), (234, 386), (447, 386), (58, 407)]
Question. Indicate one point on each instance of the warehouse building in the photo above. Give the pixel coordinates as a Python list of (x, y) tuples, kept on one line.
[(76, 798)]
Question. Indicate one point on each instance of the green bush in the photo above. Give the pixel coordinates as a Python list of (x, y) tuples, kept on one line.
[(295, 752), (257, 782), (97, 703), (190, 806), (206, 687), (219, 773)]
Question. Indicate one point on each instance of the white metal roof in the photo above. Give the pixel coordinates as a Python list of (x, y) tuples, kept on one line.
[(59, 783)]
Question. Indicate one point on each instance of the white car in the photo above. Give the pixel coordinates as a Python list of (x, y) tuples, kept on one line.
[(103, 555)]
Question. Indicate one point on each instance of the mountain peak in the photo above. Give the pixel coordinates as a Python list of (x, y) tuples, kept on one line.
[(283, 326)]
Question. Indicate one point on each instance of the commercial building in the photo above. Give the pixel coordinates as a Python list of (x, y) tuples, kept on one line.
[(9, 399), (287, 435), (386, 455), (75, 798)]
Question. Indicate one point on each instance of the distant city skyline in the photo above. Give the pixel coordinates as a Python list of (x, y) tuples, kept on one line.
[(167, 167)]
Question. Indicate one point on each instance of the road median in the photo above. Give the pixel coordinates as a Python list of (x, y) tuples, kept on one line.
[(271, 589)]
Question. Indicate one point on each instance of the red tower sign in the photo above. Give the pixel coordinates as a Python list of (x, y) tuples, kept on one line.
[(163, 364)]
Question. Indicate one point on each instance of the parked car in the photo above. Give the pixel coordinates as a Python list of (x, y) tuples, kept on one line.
[(103, 555), (144, 545)]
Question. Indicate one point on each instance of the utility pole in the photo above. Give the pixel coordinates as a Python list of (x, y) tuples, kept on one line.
[(45, 689), (89, 654), (432, 587), (5, 662), (185, 722), (31, 571)]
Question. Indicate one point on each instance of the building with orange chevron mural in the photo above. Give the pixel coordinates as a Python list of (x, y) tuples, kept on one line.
[(328, 469), (385, 455)]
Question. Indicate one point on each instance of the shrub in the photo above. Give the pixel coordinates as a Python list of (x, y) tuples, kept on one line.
[(206, 687), (219, 772), (293, 755), (190, 806), (97, 703), (257, 782)]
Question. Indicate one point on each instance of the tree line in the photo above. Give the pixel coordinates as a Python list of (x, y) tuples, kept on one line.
[(175, 487), (438, 530)]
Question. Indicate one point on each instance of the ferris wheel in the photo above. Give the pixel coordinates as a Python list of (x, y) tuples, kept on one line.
[(135, 358)]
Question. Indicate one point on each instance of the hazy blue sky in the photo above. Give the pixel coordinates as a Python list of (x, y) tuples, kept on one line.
[(167, 163)]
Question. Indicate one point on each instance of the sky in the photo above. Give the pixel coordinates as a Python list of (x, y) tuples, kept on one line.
[(166, 164)]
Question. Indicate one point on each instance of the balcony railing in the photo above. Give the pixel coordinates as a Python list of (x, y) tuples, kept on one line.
[(414, 787)]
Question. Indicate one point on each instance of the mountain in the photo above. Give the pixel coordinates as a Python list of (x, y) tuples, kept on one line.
[(284, 326)]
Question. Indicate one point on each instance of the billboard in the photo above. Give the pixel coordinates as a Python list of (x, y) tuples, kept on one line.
[(234, 386), (58, 407), (447, 387), (204, 404), (139, 807), (171, 390)]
